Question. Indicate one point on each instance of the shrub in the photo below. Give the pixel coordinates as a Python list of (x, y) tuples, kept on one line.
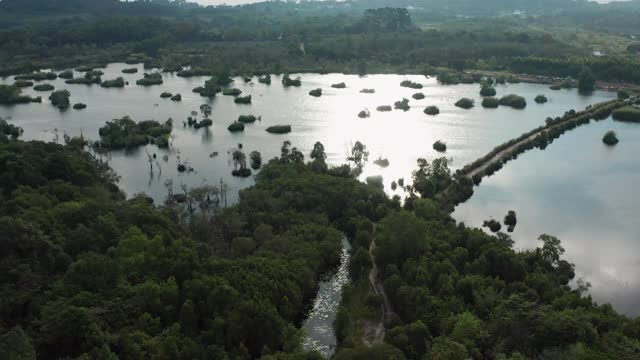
[(243, 172), (23, 83), (381, 162), (10, 94), (410, 84), (165, 95), (493, 225), (236, 127), (418, 96), (67, 74), (232, 92), (176, 97), (265, 79), (368, 91), (150, 79), (514, 101), (364, 114), (118, 82), (487, 91), (384, 108), (79, 106), (243, 99), (610, 138), (402, 105), (38, 76), (339, 85), (490, 102), (246, 119), (44, 87), (375, 181), (316, 92), (465, 103), (541, 99), (627, 113), (439, 146), (60, 99), (130, 70), (198, 89), (432, 110), (279, 129), (623, 94), (287, 81)]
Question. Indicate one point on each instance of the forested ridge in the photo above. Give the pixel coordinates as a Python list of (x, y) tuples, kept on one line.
[(87, 273)]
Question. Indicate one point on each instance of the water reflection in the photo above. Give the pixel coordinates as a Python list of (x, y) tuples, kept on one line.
[(319, 323), (582, 192)]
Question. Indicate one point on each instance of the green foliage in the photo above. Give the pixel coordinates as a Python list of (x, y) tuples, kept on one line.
[(126, 133), (316, 92), (79, 106), (490, 103), (439, 146), (247, 119), (586, 81), (9, 131), (118, 83), (541, 99), (236, 127), (487, 90), (341, 85), (610, 138), (10, 95), (279, 129), (288, 81), (410, 84), (465, 103), (627, 113), (231, 91), (242, 99), (44, 87), (150, 79), (514, 101), (432, 110), (60, 99)]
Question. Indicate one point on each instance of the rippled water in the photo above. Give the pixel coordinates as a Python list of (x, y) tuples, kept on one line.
[(318, 326)]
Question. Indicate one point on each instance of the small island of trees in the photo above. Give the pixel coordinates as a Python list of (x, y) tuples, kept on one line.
[(627, 113), (368, 91), (67, 74), (510, 220), (60, 99), (490, 102), (176, 97), (514, 101), (610, 138), (231, 92), (339, 85), (236, 127), (410, 84), (125, 133), (247, 119), (150, 79), (364, 114), (465, 103), (279, 129), (288, 81), (166, 95), (115, 83), (418, 96), (541, 99), (402, 105), (316, 92), (23, 83), (79, 106), (243, 99), (266, 79), (487, 90), (10, 95), (130, 71), (384, 108), (432, 110), (44, 87), (37, 76), (440, 146)]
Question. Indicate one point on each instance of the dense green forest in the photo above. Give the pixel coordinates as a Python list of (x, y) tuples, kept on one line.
[(362, 36), (87, 273)]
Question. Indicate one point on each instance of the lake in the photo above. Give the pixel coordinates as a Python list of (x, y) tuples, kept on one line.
[(577, 189), (583, 192)]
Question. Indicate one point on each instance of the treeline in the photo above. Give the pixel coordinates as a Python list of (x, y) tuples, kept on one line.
[(626, 69)]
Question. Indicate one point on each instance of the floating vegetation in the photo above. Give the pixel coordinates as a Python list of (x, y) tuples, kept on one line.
[(316, 92), (465, 103), (243, 99), (368, 91), (410, 84), (130, 71), (60, 99), (115, 83), (541, 99), (150, 79), (418, 96), (432, 110), (439, 146), (44, 87), (79, 106), (279, 129), (232, 92), (287, 81), (384, 108), (339, 86), (490, 102), (402, 105)]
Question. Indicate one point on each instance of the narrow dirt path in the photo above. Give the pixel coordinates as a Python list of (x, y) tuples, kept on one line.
[(374, 333)]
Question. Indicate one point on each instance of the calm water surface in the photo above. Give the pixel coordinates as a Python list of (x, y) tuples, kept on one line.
[(576, 190), (583, 192)]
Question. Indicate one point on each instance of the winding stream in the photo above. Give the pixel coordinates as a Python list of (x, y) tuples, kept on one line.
[(320, 334)]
